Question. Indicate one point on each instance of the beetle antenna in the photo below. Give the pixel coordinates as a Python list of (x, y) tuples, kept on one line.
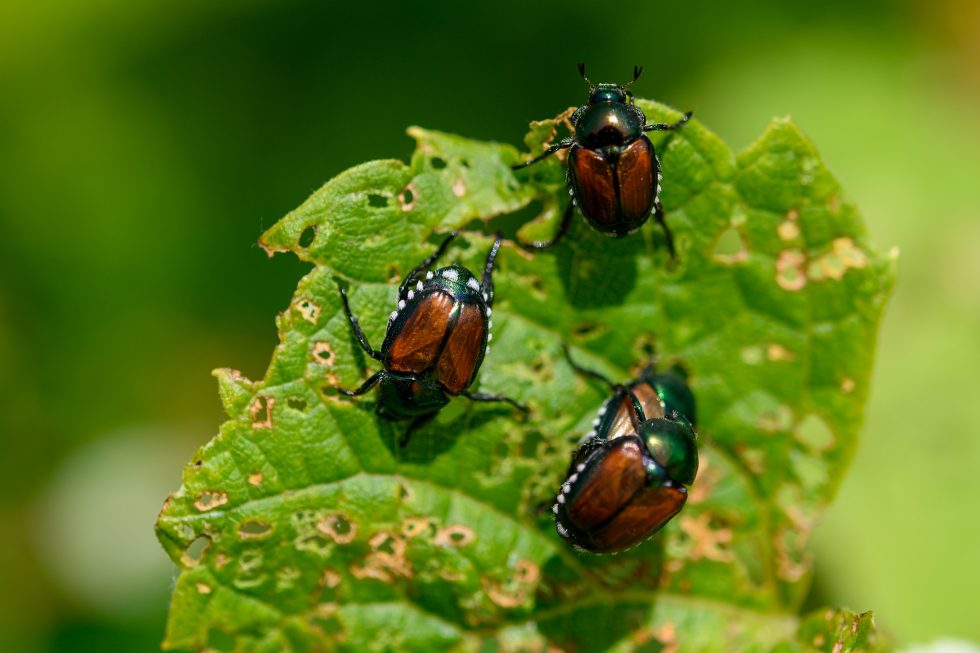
[(637, 71), (581, 71), (584, 371)]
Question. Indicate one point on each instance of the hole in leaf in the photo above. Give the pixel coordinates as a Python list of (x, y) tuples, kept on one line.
[(789, 269), (261, 412), (730, 248), (815, 433), (195, 551), (323, 353), (296, 403), (646, 346), (308, 310), (585, 329), (377, 201), (437, 162), (407, 198), (210, 500), (254, 530), (457, 535), (384, 543), (306, 238), (465, 163), (340, 529)]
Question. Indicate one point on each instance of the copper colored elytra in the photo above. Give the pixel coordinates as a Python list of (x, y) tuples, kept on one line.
[(436, 339)]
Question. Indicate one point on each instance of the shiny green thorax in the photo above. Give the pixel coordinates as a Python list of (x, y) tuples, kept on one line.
[(671, 443), (673, 391), (608, 124)]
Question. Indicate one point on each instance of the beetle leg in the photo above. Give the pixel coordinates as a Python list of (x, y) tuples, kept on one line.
[(634, 407), (356, 328), (566, 221), (658, 213), (365, 387), (491, 396), (414, 426), (666, 126), (584, 371), (560, 145), (421, 267), (486, 283)]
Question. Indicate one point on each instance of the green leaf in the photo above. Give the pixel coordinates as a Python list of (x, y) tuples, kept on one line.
[(302, 526)]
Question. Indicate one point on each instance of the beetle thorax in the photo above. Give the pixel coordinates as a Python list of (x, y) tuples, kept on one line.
[(607, 124)]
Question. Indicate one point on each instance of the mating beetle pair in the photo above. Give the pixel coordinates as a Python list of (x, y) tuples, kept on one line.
[(435, 342), (613, 169), (630, 474)]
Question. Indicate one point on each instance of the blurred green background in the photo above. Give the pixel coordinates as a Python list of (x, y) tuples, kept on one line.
[(145, 145)]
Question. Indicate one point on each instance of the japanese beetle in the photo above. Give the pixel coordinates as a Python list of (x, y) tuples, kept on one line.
[(630, 475), (613, 170), (436, 339)]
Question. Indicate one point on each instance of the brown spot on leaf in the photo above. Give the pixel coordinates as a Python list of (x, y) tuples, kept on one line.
[(788, 230), (789, 270), (706, 542), (505, 598), (309, 310), (667, 635), (459, 187), (338, 528), (323, 353), (256, 478), (776, 352), (847, 384), (708, 476), (457, 535), (416, 526), (386, 560), (330, 578), (526, 572), (203, 588), (834, 264)]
